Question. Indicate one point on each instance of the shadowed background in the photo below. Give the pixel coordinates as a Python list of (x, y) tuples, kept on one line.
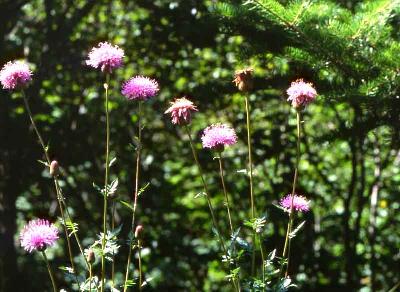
[(350, 149)]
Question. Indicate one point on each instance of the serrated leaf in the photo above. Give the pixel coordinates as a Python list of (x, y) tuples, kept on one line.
[(201, 194), (126, 204), (112, 162), (294, 232)]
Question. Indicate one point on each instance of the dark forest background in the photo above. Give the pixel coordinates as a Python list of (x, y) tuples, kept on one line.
[(350, 161)]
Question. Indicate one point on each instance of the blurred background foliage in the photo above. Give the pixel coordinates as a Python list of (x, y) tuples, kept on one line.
[(350, 162)]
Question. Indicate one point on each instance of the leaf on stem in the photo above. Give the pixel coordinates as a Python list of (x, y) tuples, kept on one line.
[(297, 229)]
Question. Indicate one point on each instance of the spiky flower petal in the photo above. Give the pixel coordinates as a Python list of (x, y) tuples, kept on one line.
[(38, 234), (15, 74), (300, 203), (180, 110), (301, 93), (106, 57), (140, 88), (218, 135)]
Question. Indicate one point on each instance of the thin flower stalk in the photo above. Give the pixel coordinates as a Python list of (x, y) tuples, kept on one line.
[(60, 198), (90, 277), (112, 228), (286, 248), (136, 194), (140, 264), (103, 244), (250, 168), (262, 257), (221, 174), (53, 282), (207, 195)]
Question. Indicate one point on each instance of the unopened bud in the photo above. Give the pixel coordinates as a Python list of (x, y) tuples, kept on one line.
[(244, 79), (138, 230), (54, 168), (90, 256)]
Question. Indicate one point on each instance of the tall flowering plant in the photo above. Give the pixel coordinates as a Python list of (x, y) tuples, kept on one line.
[(238, 249)]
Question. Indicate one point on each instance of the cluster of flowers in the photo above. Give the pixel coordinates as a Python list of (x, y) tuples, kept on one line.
[(39, 234)]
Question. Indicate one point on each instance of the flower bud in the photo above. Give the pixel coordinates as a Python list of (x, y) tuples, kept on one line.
[(54, 168), (244, 79), (138, 230), (90, 256)]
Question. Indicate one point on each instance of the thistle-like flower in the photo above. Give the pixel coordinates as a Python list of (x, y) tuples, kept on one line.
[(180, 110), (38, 234), (106, 57), (218, 136), (301, 93), (15, 74), (244, 79), (300, 203), (140, 88)]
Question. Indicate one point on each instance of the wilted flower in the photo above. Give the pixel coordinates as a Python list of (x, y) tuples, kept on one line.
[(300, 203), (301, 93), (38, 234), (244, 79), (15, 74), (138, 230), (106, 57), (217, 136), (140, 88), (90, 256), (180, 110), (54, 168)]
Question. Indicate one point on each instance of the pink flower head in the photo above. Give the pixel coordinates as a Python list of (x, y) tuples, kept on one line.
[(218, 136), (106, 57), (300, 203), (38, 235), (140, 88), (301, 93), (15, 74), (180, 110)]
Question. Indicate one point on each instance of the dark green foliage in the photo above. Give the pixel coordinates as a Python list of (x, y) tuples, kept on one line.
[(350, 150)]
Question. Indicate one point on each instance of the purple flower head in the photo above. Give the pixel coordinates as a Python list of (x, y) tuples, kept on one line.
[(300, 203), (106, 57), (140, 88), (217, 136), (180, 110), (15, 74), (38, 234), (301, 93)]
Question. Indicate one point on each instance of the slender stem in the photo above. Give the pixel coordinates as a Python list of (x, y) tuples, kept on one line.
[(286, 248), (103, 244), (207, 195), (113, 256), (53, 282), (221, 174), (90, 277), (250, 167), (60, 198), (136, 194), (60, 195), (262, 257), (253, 209), (140, 264)]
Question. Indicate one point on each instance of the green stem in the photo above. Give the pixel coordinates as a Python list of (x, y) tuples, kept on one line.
[(286, 248), (103, 244), (53, 282), (113, 256), (90, 277), (136, 194), (60, 198), (140, 264), (250, 167), (221, 174), (207, 194), (262, 257)]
